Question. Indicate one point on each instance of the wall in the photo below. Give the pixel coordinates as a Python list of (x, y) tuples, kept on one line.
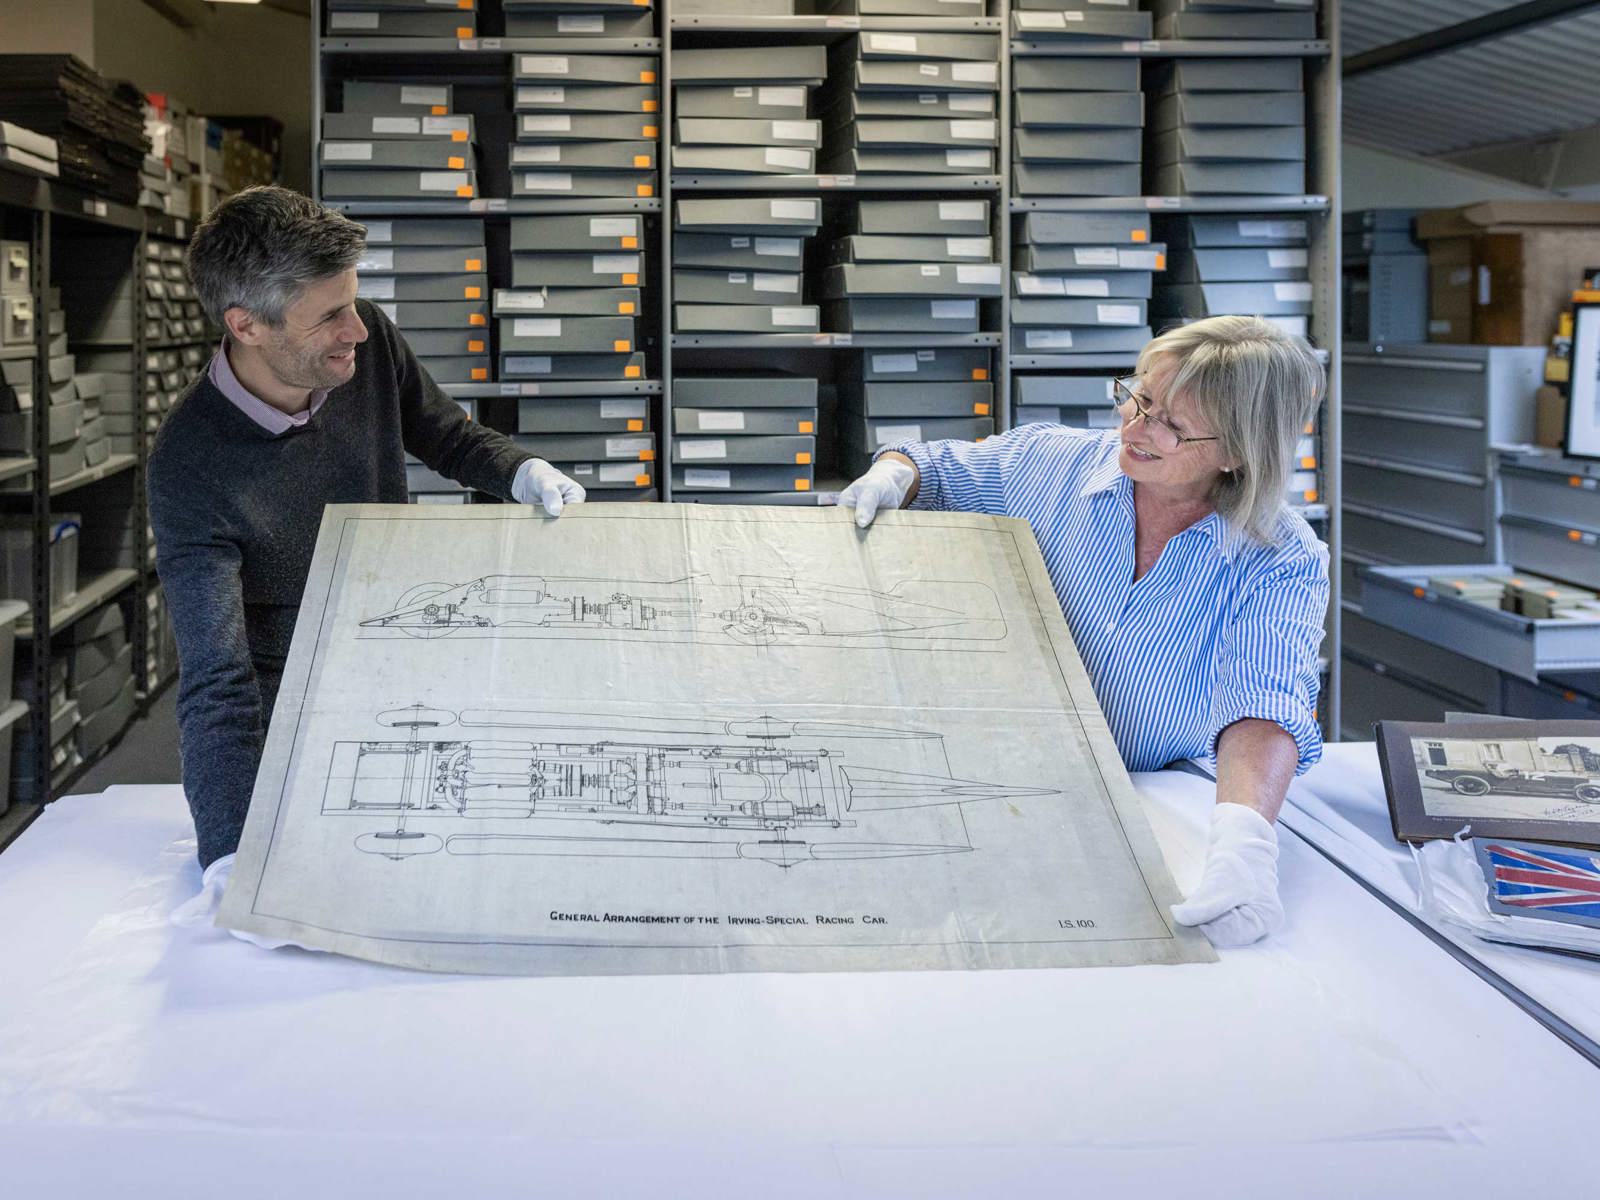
[(55, 27), (1379, 179)]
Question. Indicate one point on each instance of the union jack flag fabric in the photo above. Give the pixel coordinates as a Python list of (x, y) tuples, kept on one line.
[(1552, 882)]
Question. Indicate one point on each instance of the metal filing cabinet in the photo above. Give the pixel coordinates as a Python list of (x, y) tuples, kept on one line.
[(1389, 675)]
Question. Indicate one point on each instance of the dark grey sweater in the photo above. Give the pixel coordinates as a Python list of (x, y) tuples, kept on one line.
[(236, 510)]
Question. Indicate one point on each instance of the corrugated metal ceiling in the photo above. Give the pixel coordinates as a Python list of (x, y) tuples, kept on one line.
[(1527, 85)]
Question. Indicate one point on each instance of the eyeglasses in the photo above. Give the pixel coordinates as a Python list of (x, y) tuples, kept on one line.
[(1163, 435)]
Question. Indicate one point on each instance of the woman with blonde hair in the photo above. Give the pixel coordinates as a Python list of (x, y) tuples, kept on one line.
[(1196, 596)]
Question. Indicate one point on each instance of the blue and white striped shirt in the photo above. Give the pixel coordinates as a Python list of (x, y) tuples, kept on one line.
[(1211, 634)]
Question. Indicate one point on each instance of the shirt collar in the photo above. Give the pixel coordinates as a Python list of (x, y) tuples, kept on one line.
[(1107, 478), (274, 421)]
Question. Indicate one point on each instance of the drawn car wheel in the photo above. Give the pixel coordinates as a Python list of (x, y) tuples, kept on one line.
[(1470, 785), (1589, 793), (416, 598)]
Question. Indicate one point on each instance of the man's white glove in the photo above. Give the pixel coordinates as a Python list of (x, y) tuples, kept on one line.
[(200, 910), (1236, 901), (885, 485), (537, 482)]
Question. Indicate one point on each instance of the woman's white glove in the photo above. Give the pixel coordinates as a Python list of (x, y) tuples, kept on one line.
[(1236, 901), (200, 910), (885, 485), (537, 482)]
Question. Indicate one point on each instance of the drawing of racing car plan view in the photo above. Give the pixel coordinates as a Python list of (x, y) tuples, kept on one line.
[(606, 744)]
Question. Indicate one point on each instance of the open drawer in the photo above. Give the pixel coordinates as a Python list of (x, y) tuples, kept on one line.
[(1400, 598)]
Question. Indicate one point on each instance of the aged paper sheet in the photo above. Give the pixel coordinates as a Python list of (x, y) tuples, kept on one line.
[(652, 738)]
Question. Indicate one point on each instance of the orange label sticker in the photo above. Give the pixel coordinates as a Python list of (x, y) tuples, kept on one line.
[(473, 264), (476, 346), (1161, 262), (635, 425), (647, 76), (465, 5), (477, 319), (621, 346), (631, 372), (441, 110), (650, 106), (630, 243), (1574, 536), (1311, 427), (456, 163), (463, 31), (807, 427), (980, 410), (630, 279), (980, 373), (458, 135), (472, 293), (625, 307), (641, 160), (802, 458), (650, 131), (647, 456), (1419, 593), (1569, 696), (465, 190), (641, 481), (1311, 497), (1574, 481), (1307, 463), (1139, 235), (644, 189), (802, 485), (479, 374)]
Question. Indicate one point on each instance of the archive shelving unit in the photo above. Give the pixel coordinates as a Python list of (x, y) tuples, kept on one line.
[(483, 58), (56, 219)]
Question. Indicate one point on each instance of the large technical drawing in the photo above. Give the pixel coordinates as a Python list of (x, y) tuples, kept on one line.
[(782, 792), (757, 611)]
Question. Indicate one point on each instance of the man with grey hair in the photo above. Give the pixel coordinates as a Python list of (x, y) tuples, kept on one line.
[(312, 399)]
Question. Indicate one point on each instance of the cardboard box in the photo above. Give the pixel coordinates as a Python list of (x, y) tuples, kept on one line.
[(1104, 339), (423, 287), (422, 260), (567, 335), (1268, 143), (735, 287), (613, 269), (569, 302), (880, 133), (726, 131), (1075, 179), (845, 107), (738, 421), (737, 251), (751, 160), (458, 369), (570, 184), (587, 127), (1215, 299), (583, 414), (743, 477), (903, 314), (930, 365), (745, 318), (572, 366), (793, 450), (1229, 178), (1132, 285), (1076, 23), (613, 23), (745, 391), (1048, 313), (446, 343), (16, 268), (1078, 145), (848, 280), (741, 101), (965, 47), (555, 233), (428, 155), (1235, 231), (1075, 391), (1092, 228), (586, 68), (1195, 109), (876, 248), (1066, 110), (457, 128), (399, 185), (924, 399), (875, 433), (410, 99), (598, 447), (1230, 75), (435, 24), (435, 314), (784, 64), (751, 214), (1193, 23), (1188, 265), (909, 161), (918, 76), (596, 97), (1110, 74)]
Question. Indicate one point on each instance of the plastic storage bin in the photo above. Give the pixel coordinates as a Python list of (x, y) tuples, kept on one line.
[(16, 557)]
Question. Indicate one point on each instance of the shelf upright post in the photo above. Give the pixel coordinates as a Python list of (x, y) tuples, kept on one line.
[(663, 407), (1001, 222), (141, 455), (1327, 326), (39, 599)]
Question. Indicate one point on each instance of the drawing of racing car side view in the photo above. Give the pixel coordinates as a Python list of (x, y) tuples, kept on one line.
[(1585, 788)]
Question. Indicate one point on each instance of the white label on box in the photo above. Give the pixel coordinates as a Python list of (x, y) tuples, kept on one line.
[(392, 311), (622, 410), (792, 316), (1285, 259), (780, 97), (352, 20), (739, 278), (375, 287), (541, 95), (929, 69), (618, 472), (628, 446), (536, 327), (1140, 260), (520, 301), (884, 434), (715, 448), (971, 72), (970, 247), (1041, 285), (347, 151), (953, 310), (961, 210), (1047, 339), (525, 155), (614, 227), (1272, 229), (547, 123), (967, 158), (722, 421), (702, 478), (777, 156), (580, 469), (528, 364), (973, 130), (928, 98), (1291, 291), (442, 181), (379, 231), (1086, 285), (903, 43), (978, 273), (1483, 286), (801, 210), (1094, 256), (1117, 314), (541, 64), (772, 247), (767, 281), (929, 270), (740, 243), (445, 126), (978, 103), (615, 264), (581, 23), (743, 93), (794, 131), (894, 364), (412, 94), (376, 260), (396, 125)]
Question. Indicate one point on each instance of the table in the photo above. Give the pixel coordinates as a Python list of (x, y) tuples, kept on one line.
[(1344, 1056)]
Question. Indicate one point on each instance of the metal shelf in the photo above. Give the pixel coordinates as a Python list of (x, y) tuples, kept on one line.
[(114, 465), (36, 192), (570, 387), (481, 206), (451, 47), (175, 229), (1172, 48), (841, 183), (89, 596), (1087, 362), (826, 341), (1179, 204), (719, 23), (10, 468)]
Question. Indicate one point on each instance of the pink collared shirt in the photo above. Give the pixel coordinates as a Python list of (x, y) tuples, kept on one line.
[(273, 420)]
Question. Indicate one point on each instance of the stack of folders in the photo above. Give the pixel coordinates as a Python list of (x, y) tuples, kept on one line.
[(28, 150), (1082, 282), (100, 677), (1081, 401), (744, 440), (580, 18), (912, 266), (172, 313), (105, 383), (744, 110), (912, 103), (1078, 20), (737, 261), (573, 309), (604, 442), (402, 18), (1077, 126), (63, 413), (1292, 20), (424, 485), (588, 125), (914, 8), (398, 141), (430, 277), (913, 395), (1228, 126), (97, 125)]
